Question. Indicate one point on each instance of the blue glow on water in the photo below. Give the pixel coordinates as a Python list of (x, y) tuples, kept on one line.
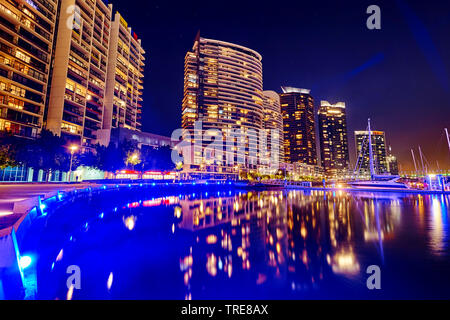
[(237, 244)]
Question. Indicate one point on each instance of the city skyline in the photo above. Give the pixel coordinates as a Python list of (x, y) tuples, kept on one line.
[(87, 105), (372, 71), (207, 151)]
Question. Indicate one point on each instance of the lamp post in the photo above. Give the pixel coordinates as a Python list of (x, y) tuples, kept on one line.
[(134, 157), (73, 149)]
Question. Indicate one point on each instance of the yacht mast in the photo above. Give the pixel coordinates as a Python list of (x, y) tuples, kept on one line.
[(372, 169), (421, 160), (414, 160), (448, 138)]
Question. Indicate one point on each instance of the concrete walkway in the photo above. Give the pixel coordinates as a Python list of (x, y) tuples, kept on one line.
[(11, 195)]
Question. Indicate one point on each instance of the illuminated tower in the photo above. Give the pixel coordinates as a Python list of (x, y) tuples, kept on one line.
[(273, 122), (124, 81), (297, 107), (378, 149), (392, 163), (223, 89), (333, 138), (77, 95), (27, 29)]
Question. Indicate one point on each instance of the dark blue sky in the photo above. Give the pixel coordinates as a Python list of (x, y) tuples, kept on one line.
[(399, 75)]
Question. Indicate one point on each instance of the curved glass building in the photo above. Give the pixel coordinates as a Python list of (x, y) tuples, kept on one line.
[(273, 124), (223, 89)]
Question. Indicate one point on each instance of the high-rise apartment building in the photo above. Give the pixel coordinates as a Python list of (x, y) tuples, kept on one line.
[(378, 149), (297, 107), (273, 123), (334, 152), (392, 163), (124, 84), (27, 29), (78, 84), (223, 89)]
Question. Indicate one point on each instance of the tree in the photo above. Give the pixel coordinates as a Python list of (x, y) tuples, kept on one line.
[(48, 152), (7, 152)]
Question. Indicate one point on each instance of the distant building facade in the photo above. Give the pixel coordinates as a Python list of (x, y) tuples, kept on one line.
[(124, 83), (142, 139), (273, 124), (332, 123), (297, 107), (392, 163), (378, 148)]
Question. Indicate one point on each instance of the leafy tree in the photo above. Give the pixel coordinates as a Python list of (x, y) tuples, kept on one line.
[(48, 152), (7, 151)]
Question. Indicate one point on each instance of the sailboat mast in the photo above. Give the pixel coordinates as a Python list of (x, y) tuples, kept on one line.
[(421, 160), (414, 160), (448, 138), (372, 169)]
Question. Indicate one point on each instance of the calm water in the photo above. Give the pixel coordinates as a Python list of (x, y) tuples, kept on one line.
[(257, 245)]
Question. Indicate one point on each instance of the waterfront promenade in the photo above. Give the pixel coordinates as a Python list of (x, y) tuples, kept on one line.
[(17, 199)]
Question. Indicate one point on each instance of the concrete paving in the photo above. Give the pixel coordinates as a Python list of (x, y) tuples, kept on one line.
[(11, 194)]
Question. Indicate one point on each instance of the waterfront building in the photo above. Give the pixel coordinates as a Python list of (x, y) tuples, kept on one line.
[(392, 163), (78, 78), (333, 138), (297, 107), (124, 80), (300, 171), (27, 29), (223, 90), (142, 139), (378, 148), (273, 124)]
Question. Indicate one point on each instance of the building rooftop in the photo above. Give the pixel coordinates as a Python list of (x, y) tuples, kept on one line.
[(295, 90)]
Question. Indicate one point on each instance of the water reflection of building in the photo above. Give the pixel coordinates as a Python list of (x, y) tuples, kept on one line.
[(289, 238)]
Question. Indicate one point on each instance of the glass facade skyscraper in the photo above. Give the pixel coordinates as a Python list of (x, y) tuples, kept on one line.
[(378, 148), (332, 123), (223, 89), (297, 107)]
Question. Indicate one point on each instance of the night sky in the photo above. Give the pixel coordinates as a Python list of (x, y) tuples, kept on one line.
[(399, 75)]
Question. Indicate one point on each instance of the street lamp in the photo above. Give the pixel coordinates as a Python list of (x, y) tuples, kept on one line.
[(133, 159), (73, 149)]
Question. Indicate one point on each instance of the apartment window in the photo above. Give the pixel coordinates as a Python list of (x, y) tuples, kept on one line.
[(28, 13), (16, 103), (22, 56), (17, 91), (69, 128), (70, 86)]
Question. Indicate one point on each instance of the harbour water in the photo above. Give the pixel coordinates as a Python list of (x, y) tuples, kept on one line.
[(253, 245)]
